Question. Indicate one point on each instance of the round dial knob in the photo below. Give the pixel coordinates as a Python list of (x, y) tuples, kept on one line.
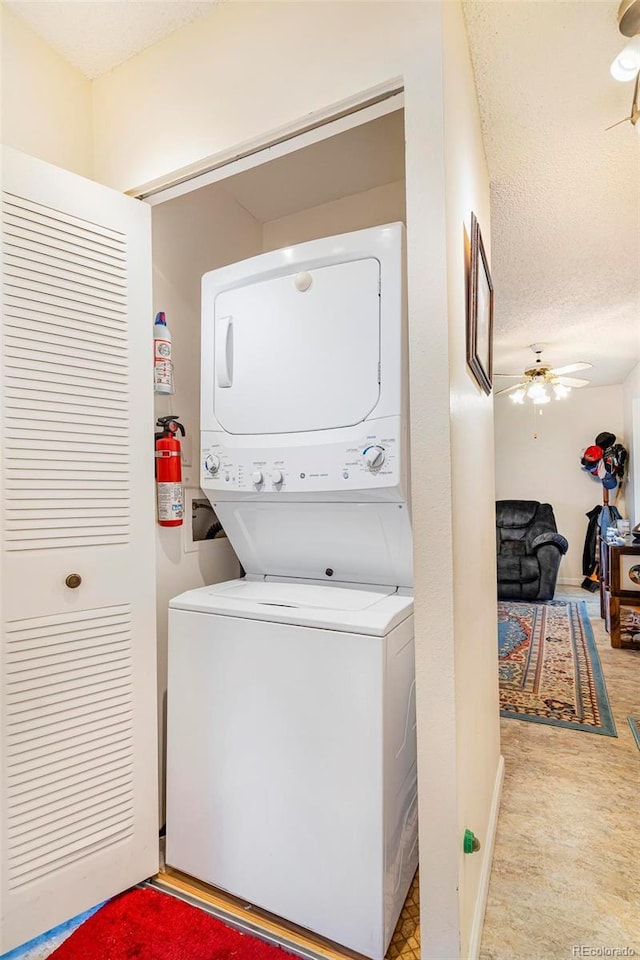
[(374, 457), (257, 477), (277, 477), (212, 464)]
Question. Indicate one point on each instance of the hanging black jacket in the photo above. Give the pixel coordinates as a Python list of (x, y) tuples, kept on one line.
[(589, 556)]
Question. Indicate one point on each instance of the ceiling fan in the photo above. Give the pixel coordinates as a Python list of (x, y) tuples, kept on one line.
[(634, 116), (537, 381)]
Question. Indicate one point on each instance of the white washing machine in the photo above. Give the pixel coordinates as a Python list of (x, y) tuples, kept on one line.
[(291, 774), (291, 751)]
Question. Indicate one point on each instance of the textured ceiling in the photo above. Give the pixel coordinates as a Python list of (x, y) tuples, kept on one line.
[(565, 194), (96, 35)]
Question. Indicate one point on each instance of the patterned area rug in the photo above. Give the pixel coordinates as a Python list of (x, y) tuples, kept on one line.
[(634, 723), (549, 667)]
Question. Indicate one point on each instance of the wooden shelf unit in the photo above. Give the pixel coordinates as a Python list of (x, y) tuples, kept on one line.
[(620, 593)]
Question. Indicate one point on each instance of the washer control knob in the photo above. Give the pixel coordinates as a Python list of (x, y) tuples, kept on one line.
[(212, 464), (277, 478), (374, 457), (257, 477)]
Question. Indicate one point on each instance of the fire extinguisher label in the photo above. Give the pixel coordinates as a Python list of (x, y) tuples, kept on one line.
[(170, 501)]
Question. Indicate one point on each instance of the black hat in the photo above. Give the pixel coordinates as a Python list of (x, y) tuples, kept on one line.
[(620, 458), (605, 439)]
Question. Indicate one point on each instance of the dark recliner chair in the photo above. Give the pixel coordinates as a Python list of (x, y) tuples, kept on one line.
[(529, 550)]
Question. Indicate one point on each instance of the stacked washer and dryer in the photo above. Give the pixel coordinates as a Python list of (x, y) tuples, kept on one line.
[(291, 768)]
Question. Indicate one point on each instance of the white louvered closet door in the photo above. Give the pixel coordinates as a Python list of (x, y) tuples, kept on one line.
[(78, 736)]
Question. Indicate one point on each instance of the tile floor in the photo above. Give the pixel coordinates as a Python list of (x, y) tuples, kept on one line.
[(566, 869), (405, 943)]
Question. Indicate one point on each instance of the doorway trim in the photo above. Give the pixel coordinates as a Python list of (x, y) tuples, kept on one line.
[(346, 115), (315, 127), (425, 182)]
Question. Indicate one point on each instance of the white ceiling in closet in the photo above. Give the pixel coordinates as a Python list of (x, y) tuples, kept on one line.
[(360, 159)]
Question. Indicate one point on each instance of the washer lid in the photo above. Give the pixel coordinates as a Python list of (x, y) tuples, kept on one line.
[(353, 609)]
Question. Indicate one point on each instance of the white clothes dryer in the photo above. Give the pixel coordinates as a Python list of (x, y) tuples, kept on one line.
[(291, 751), (305, 444)]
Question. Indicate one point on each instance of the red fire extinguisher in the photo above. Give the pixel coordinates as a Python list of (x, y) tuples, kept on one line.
[(169, 473)]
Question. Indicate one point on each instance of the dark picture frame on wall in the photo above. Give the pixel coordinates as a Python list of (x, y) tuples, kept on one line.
[(480, 312)]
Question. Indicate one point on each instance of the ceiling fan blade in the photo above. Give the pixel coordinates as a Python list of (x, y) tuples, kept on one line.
[(509, 389), (573, 382), (626, 120), (509, 376), (571, 368)]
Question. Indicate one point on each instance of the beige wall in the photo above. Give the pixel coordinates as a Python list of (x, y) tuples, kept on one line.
[(251, 68), (191, 235), (631, 424), (46, 104), (385, 204), (472, 486), (178, 101), (548, 468)]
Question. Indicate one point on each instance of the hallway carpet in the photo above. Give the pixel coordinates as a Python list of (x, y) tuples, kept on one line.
[(634, 723), (549, 666), (144, 924)]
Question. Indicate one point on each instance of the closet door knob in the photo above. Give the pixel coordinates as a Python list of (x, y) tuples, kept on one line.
[(73, 580)]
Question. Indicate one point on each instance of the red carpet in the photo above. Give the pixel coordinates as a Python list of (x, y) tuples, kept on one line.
[(144, 924)]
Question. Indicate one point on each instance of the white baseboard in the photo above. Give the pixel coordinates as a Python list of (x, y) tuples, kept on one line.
[(569, 581), (485, 872)]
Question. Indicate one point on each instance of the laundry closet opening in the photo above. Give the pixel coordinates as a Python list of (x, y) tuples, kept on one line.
[(343, 183)]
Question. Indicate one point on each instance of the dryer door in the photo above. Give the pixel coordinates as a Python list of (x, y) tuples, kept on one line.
[(299, 352)]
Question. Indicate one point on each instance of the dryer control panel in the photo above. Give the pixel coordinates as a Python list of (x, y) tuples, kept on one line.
[(370, 460)]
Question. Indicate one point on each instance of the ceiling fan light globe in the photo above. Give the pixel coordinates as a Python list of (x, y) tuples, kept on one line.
[(518, 395), (561, 391), (620, 73), (545, 398), (626, 65), (536, 390)]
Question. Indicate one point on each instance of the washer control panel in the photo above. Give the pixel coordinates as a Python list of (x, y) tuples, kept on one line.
[(368, 461)]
